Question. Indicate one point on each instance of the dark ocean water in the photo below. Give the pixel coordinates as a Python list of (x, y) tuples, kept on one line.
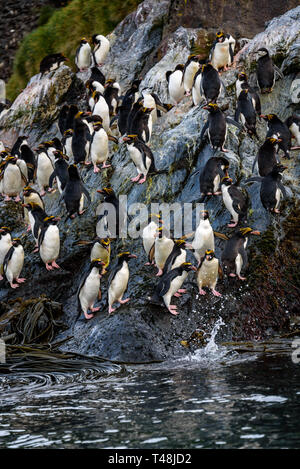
[(215, 398)]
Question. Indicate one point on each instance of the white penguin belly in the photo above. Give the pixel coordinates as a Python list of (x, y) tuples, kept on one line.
[(102, 51), (238, 264), (12, 180), (49, 249), (84, 56), (15, 264), (221, 55), (99, 147), (196, 94), (203, 240), (207, 276), (118, 284), (5, 245), (278, 194), (137, 159), (148, 236), (179, 259), (89, 292), (23, 168), (44, 170), (101, 109), (163, 247), (176, 88), (189, 74), (228, 202), (296, 132), (175, 285)]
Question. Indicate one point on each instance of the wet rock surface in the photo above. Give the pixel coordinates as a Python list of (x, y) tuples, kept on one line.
[(140, 331)]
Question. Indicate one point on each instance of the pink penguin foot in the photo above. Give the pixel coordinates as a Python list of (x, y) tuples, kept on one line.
[(49, 267), (96, 169), (232, 225), (141, 181), (36, 249), (241, 278), (106, 165), (232, 275), (217, 193), (159, 273), (122, 302), (14, 285), (202, 292), (224, 149), (181, 290), (111, 309), (56, 266), (216, 293), (1, 277), (20, 280), (42, 193), (136, 178), (28, 228), (7, 198), (148, 263), (94, 310), (88, 316), (276, 210), (177, 294), (17, 199), (172, 309)]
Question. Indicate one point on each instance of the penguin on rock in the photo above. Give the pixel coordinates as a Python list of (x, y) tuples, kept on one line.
[(5, 245), (60, 172), (31, 195), (141, 124), (99, 146), (89, 289), (67, 143), (13, 263), (49, 242), (208, 85), (208, 273), (112, 216), (101, 248), (169, 285), (83, 57), (175, 83), (293, 123), (44, 168), (204, 237), (51, 62), (118, 280), (74, 193), (191, 67), (242, 84), (234, 256), (112, 93), (235, 201), (12, 179), (101, 48), (221, 53), (148, 236), (276, 126), (271, 189), (162, 249), (212, 173), (246, 112), (124, 109), (266, 71), (36, 215), (216, 126), (177, 256), (141, 156), (266, 157), (101, 109), (81, 139)]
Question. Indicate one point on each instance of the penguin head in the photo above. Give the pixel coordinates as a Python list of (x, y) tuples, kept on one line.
[(226, 180), (109, 82), (270, 117), (274, 139), (68, 133), (147, 110), (179, 67), (16, 242), (220, 36), (4, 154), (209, 254), (125, 256), (262, 51), (180, 242), (107, 191), (51, 220), (4, 230), (246, 231), (98, 263), (187, 266), (242, 76), (82, 114), (130, 138), (204, 214), (83, 40), (105, 242), (11, 159), (59, 155), (155, 217), (193, 58), (31, 206), (28, 190), (244, 94), (211, 107)]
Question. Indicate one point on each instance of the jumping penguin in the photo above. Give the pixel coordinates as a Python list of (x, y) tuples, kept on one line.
[(208, 273), (170, 284)]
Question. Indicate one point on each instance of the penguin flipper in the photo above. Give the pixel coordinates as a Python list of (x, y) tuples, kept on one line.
[(254, 179), (51, 179), (254, 163), (243, 253), (234, 122), (7, 258), (204, 129), (237, 112), (84, 190), (283, 190), (221, 235)]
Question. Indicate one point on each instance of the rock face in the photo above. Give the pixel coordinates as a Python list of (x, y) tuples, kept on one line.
[(140, 331)]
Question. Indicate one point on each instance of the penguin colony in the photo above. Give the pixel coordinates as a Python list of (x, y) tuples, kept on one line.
[(28, 175)]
